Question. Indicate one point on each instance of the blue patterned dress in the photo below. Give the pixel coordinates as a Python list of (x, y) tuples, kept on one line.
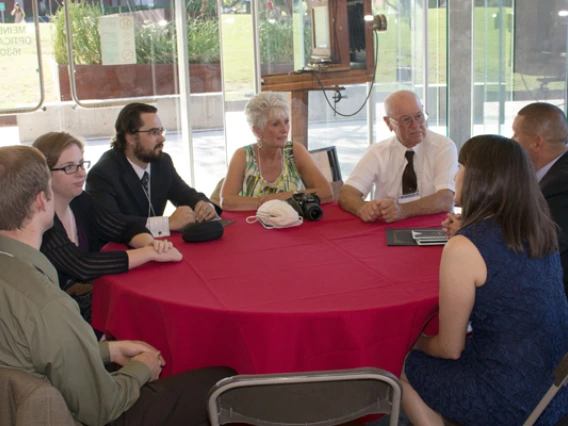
[(520, 334)]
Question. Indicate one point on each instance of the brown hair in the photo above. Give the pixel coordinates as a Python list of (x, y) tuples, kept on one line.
[(23, 175), (500, 182), (129, 121), (546, 120), (52, 144)]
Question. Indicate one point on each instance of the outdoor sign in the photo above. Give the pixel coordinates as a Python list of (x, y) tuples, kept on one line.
[(14, 39), (117, 40)]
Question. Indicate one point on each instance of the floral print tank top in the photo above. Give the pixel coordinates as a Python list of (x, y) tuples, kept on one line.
[(254, 185)]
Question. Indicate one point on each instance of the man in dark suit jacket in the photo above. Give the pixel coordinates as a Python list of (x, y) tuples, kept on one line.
[(136, 178), (541, 129)]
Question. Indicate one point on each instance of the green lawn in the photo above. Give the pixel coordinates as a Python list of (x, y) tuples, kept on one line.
[(238, 64)]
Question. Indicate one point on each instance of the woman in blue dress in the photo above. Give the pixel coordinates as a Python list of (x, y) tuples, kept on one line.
[(501, 272)]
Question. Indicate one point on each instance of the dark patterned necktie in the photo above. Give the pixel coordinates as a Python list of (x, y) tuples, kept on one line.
[(144, 180), (409, 181)]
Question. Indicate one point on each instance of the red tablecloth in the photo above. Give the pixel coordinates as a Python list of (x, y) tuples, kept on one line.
[(325, 295)]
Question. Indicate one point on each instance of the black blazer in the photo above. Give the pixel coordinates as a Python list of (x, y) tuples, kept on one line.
[(554, 187), (114, 183)]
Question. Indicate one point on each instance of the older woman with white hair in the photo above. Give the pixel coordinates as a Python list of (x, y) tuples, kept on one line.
[(273, 168)]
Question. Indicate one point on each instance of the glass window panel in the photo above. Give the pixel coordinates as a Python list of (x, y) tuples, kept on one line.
[(520, 58), (206, 113), (156, 76), (19, 64), (238, 78), (437, 66)]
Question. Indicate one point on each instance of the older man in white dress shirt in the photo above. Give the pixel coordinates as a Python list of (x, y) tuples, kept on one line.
[(412, 171)]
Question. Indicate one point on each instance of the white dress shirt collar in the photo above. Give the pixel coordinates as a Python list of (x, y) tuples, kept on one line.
[(544, 170), (139, 170)]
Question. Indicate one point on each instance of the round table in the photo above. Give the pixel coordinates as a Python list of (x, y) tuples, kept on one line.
[(325, 295)]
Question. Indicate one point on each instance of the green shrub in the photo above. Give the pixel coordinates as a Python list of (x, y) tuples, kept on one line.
[(277, 41), (155, 43), (203, 40), (84, 27)]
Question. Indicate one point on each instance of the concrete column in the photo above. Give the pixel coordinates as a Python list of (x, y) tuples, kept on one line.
[(460, 53)]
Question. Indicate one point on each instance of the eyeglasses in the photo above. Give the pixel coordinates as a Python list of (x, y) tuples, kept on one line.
[(406, 120), (154, 132), (71, 169)]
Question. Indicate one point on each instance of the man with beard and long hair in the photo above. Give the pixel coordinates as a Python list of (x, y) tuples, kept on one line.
[(136, 178)]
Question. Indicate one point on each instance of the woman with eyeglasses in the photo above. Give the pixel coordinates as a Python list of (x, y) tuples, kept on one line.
[(82, 226)]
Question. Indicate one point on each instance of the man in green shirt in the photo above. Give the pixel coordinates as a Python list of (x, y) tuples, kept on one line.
[(42, 332)]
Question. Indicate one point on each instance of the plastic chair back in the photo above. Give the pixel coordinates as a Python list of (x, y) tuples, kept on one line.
[(328, 162), (324, 398)]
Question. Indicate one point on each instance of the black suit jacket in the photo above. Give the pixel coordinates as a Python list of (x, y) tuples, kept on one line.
[(554, 187), (114, 183)]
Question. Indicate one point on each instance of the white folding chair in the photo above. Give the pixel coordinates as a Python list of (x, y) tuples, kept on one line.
[(560, 378)]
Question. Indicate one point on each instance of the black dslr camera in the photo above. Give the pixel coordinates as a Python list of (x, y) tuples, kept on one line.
[(307, 205)]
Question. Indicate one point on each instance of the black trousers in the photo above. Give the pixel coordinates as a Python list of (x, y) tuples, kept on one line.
[(176, 400)]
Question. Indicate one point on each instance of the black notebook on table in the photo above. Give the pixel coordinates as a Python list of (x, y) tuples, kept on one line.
[(415, 236)]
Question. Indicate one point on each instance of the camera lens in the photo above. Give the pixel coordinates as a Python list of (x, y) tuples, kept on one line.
[(313, 213)]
